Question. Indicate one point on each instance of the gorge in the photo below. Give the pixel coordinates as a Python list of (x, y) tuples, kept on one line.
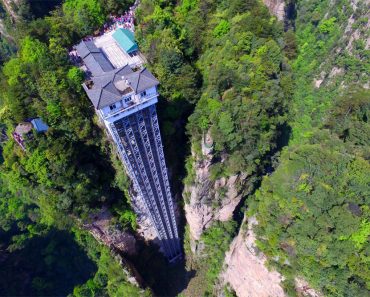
[(263, 109)]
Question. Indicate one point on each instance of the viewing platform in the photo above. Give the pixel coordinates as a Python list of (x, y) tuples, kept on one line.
[(113, 44)]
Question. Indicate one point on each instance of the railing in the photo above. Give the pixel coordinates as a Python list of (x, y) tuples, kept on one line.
[(142, 99)]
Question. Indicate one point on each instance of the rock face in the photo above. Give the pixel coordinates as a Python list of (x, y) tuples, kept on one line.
[(303, 289), (100, 226), (329, 72), (276, 8), (9, 7), (245, 270), (206, 200), (145, 227), (103, 231), (128, 268)]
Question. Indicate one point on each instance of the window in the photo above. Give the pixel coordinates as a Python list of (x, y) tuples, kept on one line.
[(127, 99), (143, 93), (113, 106)]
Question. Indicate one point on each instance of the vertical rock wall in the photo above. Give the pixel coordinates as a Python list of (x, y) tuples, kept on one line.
[(207, 201), (245, 270), (276, 8), (246, 273)]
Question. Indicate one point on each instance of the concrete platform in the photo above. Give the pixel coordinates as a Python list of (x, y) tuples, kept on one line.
[(115, 54)]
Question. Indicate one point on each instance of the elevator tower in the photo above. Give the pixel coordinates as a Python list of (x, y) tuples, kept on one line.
[(124, 94)]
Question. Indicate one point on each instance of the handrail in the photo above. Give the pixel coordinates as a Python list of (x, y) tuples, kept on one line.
[(146, 98)]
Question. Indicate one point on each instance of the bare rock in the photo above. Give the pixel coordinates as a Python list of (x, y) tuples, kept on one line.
[(245, 270), (319, 80), (9, 7), (336, 71), (346, 44), (207, 144), (103, 231), (145, 227), (207, 201), (276, 8), (303, 289)]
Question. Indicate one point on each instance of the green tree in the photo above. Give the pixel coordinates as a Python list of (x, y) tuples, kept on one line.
[(221, 29), (313, 213), (87, 15)]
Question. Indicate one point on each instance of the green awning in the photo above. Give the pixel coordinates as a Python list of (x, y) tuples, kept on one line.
[(125, 39)]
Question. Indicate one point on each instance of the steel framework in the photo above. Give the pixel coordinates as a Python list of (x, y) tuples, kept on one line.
[(140, 146)]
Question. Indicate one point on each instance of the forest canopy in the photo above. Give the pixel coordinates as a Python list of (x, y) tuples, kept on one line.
[(283, 103), (64, 175)]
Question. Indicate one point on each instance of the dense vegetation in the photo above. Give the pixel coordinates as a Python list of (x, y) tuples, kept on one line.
[(49, 265), (245, 79), (325, 53), (109, 279), (246, 86), (246, 91), (59, 168), (63, 176), (313, 211), (53, 263), (217, 240), (228, 58)]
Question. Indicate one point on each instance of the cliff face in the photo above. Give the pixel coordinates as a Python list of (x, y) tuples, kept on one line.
[(276, 8), (10, 6), (101, 228), (245, 270), (329, 72), (207, 201)]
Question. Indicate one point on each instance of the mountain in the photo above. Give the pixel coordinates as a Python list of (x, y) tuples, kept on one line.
[(263, 110)]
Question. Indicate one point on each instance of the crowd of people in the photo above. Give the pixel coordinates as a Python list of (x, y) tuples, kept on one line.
[(125, 21), (74, 57)]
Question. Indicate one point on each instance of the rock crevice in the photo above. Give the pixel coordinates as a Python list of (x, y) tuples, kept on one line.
[(207, 201)]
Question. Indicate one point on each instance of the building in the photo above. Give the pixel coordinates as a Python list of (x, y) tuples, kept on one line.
[(124, 95), (39, 125), (23, 131)]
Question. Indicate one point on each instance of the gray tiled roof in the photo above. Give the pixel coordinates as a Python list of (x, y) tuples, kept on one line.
[(86, 47), (93, 58), (97, 63), (104, 91), (142, 80), (109, 85)]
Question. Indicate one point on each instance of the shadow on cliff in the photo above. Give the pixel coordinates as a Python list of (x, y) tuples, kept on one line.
[(164, 278), (269, 164)]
